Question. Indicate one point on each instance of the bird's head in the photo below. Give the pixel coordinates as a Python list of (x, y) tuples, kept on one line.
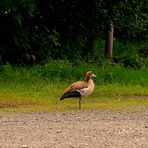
[(90, 75)]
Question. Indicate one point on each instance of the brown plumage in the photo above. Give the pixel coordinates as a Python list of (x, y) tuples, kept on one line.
[(80, 89)]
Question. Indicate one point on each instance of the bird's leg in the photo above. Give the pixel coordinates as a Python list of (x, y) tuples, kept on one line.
[(80, 102)]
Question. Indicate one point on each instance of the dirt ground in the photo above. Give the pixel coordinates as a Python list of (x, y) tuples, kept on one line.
[(79, 129)]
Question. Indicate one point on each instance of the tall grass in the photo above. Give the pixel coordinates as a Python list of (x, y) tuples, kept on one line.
[(57, 71)]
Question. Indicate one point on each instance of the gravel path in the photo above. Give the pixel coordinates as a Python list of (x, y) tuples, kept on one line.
[(80, 129)]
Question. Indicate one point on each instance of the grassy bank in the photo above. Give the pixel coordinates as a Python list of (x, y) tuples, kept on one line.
[(40, 87)]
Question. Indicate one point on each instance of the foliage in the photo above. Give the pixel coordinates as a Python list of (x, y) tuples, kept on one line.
[(58, 71), (34, 31)]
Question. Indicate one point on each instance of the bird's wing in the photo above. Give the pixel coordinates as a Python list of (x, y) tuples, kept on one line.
[(76, 86)]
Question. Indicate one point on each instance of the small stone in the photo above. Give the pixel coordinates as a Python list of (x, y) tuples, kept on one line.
[(59, 131), (24, 146)]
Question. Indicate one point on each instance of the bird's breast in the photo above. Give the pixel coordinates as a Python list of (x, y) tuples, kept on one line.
[(88, 90)]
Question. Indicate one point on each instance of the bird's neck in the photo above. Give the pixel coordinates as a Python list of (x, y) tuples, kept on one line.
[(90, 82), (88, 78), (90, 85)]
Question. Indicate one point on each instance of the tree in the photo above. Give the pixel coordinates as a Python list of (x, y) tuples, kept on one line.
[(35, 30), (130, 19)]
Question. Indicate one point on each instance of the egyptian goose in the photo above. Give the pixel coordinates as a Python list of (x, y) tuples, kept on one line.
[(80, 89)]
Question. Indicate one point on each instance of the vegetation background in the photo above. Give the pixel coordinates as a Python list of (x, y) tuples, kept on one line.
[(45, 45)]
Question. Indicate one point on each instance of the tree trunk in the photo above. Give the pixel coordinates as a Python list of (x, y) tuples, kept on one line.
[(109, 40)]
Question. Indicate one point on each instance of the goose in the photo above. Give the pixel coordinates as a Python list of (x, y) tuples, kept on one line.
[(80, 89)]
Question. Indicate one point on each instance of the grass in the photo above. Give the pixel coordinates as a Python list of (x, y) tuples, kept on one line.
[(105, 97), (40, 87)]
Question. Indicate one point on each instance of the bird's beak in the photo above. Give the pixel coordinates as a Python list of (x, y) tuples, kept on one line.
[(93, 75)]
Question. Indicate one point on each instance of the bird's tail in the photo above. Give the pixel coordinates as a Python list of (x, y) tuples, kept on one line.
[(73, 94)]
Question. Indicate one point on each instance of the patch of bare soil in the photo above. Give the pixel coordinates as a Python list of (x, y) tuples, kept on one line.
[(81, 129)]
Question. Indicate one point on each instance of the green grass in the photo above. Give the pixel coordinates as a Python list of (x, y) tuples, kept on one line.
[(40, 87), (46, 98)]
